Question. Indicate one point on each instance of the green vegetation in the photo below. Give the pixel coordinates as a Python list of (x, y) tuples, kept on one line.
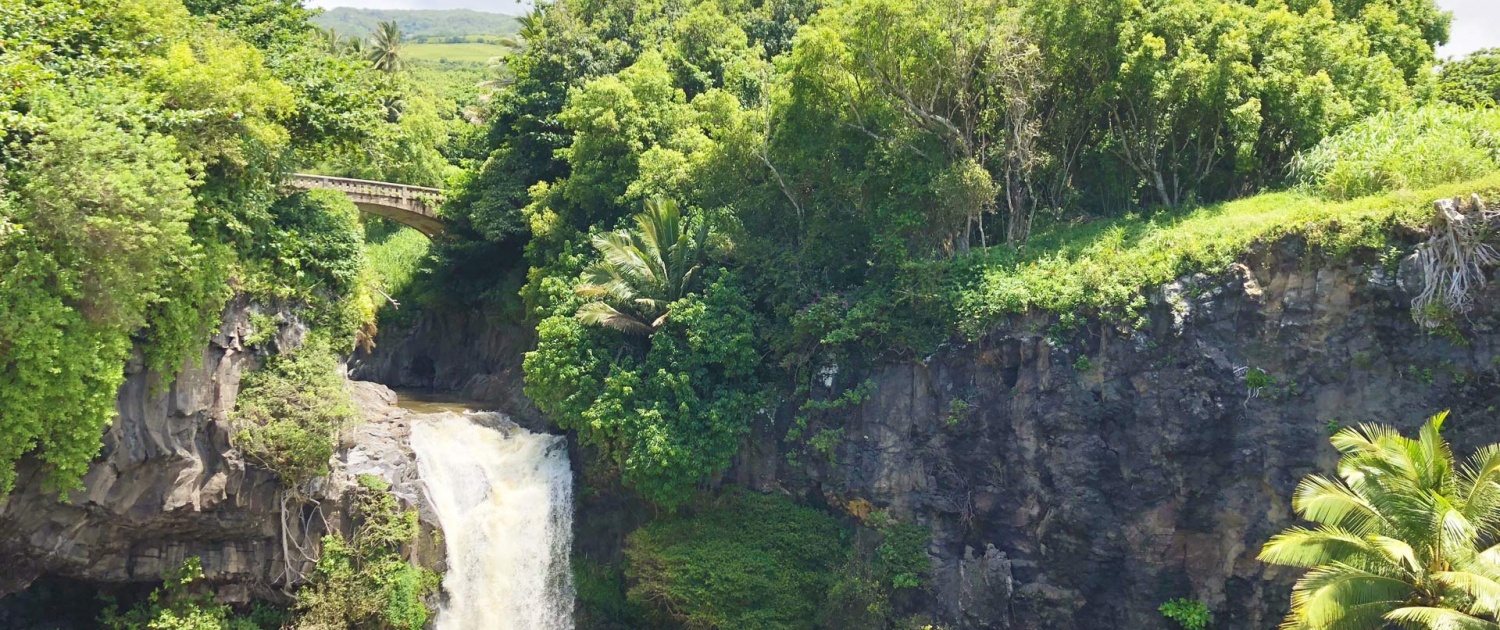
[(1403, 536), (1404, 150), (1103, 266), (1190, 614), (1064, 157), (744, 560), (349, 21), (183, 603), (386, 46), (902, 553), (1473, 81), (458, 52), (364, 582), (396, 257), (642, 270), (959, 410), (666, 410), (602, 600), (289, 413), (141, 144)]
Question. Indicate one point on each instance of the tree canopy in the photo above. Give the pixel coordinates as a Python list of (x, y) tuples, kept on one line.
[(142, 145)]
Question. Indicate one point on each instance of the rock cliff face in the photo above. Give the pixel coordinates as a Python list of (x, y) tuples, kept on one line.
[(168, 485), (1078, 479), (467, 354), (1072, 478), (1075, 479)]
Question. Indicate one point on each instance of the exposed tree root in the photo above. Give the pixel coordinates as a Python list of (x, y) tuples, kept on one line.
[(1453, 260), (295, 538)]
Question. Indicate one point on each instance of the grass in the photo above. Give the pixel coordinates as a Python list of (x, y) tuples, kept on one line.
[(1104, 266), (1413, 148), (395, 258), (467, 52)]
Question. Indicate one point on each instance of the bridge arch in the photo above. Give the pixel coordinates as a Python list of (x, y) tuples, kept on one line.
[(413, 206)]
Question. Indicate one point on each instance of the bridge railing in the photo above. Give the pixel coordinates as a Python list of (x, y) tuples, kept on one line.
[(431, 198)]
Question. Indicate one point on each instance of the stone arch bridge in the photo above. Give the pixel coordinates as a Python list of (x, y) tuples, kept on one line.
[(413, 206)]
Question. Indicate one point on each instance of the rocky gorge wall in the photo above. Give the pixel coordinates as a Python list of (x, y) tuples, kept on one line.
[(168, 485), (1072, 478), (1089, 475), (466, 354), (1075, 479)]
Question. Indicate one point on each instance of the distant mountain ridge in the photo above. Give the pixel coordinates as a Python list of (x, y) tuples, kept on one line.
[(418, 23)]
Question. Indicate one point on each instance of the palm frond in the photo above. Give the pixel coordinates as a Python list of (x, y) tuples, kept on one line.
[(1327, 594), (1302, 547), (1479, 478), (1484, 591), (1323, 500), (647, 268), (1397, 552), (602, 314), (1431, 618)]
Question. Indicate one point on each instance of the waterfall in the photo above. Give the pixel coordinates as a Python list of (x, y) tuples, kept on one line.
[(505, 503)]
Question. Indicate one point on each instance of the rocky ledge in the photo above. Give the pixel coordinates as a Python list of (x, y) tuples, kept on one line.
[(169, 485)]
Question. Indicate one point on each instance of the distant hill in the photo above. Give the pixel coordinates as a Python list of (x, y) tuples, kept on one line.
[(419, 23)]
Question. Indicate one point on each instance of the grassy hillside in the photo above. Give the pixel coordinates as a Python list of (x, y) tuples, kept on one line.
[(466, 52), (419, 23), (1103, 266)]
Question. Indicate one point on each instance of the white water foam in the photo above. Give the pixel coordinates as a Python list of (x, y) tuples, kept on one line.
[(505, 503)]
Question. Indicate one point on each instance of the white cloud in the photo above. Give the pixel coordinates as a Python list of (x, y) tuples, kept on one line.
[(1476, 24)]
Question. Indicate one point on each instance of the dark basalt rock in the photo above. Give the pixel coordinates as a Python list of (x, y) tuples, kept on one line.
[(467, 354), (168, 485), (1073, 499)]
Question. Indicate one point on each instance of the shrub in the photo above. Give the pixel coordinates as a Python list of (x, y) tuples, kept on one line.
[(314, 254), (669, 410), (746, 561), (363, 582), (396, 258), (1408, 149), (602, 603), (289, 412), (1191, 614), (183, 603), (1473, 81), (901, 558)]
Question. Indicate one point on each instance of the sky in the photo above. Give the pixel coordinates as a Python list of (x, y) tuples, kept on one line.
[(1476, 23)]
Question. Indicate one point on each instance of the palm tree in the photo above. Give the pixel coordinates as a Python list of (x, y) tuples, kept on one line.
[(330, 39), (498, 68), (643, 269), (385, 47), (355, 46), (1403, 537)]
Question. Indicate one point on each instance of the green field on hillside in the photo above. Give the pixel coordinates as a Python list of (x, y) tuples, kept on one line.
[(465, 52), (417, 23)]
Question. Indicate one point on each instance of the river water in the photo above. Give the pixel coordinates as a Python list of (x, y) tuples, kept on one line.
[(504, 498)]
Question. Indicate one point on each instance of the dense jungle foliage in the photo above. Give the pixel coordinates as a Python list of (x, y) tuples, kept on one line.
[(143, 150), (877, 177), (716, 213)]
